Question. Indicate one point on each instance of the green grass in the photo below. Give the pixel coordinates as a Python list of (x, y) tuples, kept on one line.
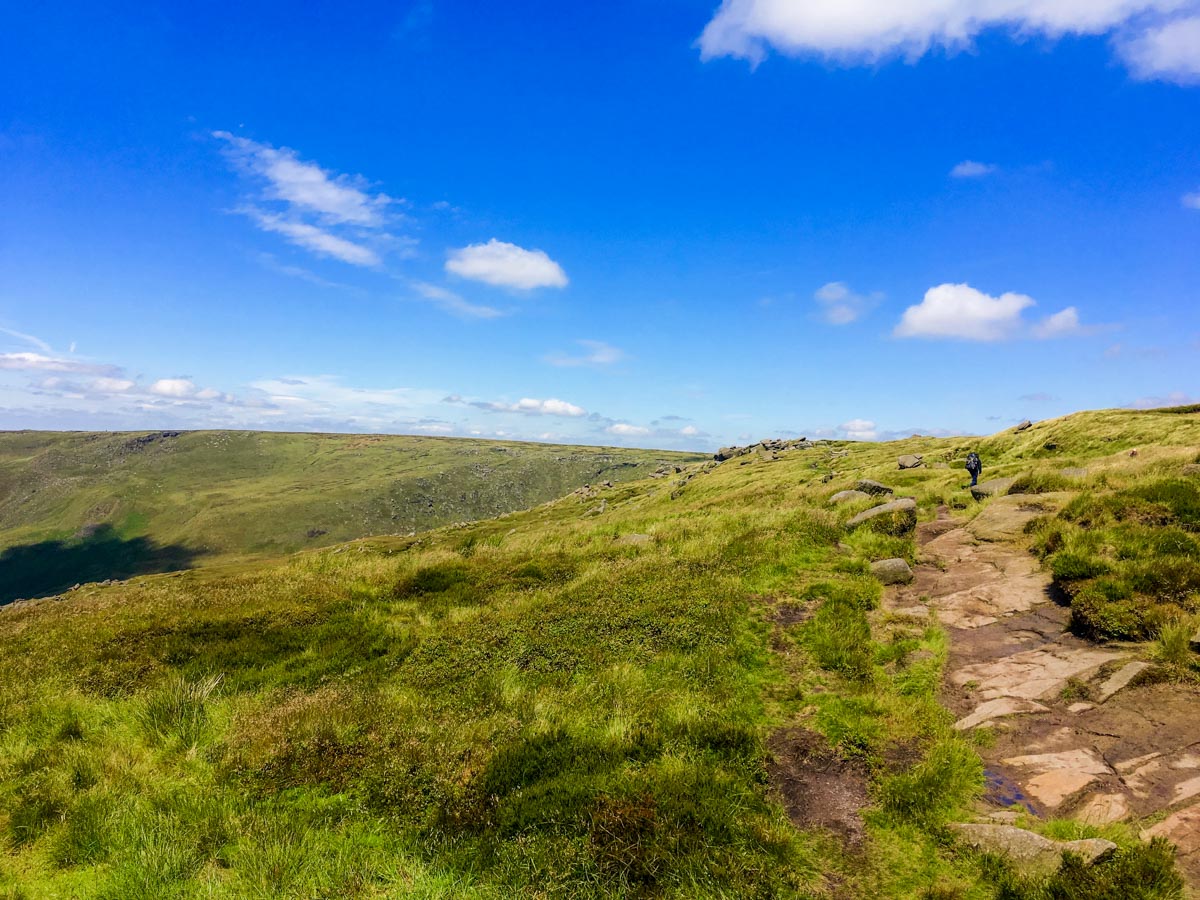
[(78, 507), (525, 706)]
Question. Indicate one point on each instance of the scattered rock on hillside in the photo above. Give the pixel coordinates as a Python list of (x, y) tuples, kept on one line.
[(849, 496), (1030, 852), (993, 488), (897, 517), (867, 486), (892, 571), (911, 461), (765, 447), (1024, 426)]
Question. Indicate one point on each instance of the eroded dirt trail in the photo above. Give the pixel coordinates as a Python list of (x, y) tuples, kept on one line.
[(1076, 735)]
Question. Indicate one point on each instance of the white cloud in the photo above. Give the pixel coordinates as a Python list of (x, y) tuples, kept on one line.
[(626, 430), (111, 385), (38, 362), (859, 430), (30, 339), (960, 311), (866, 31), (1175, 398), (689, 431), (530, 407), (310, 237), (840, 305), (1191, 201), (1170, 51), (506, 265), (1061, 324), (598, 354), (173, 387), (969, 168), (338, 199), (454, 304)]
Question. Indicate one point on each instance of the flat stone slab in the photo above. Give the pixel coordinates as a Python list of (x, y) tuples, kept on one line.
[(995, 709), (1103, 809), (1182, 829), (1120, 679), (1031, 853), (1060, 775), (1034, 674), (1005, 518)]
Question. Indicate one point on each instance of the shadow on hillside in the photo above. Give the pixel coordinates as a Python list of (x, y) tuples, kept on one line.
[(97, 554)]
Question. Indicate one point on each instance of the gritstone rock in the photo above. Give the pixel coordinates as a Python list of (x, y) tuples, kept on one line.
[(1030, 852), (867, 486), (993, 488), (910, 461), (897, 517), (892, 571), (1024, 426), (849, 496)]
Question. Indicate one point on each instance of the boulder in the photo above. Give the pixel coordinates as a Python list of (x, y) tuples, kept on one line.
[(1024, 426), (849, 496), (911, 461), (993, 488), (897, 517), (892, 571), (867, 486), (1031, 853)]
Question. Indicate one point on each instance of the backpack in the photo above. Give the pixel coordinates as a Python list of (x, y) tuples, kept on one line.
[(973, 463)]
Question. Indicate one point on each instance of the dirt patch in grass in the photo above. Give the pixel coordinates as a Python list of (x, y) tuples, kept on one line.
[(819, 788)]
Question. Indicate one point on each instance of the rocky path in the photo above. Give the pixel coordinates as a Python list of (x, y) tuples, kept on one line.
[(1076, 735)]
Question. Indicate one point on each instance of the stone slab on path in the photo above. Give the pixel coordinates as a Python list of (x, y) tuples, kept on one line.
[(1032, 674), (1120, 679), (1182, 829), (996, 709), (1005, 518)]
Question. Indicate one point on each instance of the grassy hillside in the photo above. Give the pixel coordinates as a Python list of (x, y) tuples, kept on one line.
[(85, 507), (607, 696)]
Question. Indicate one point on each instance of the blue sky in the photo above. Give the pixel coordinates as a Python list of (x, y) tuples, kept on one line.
[(670, 224)]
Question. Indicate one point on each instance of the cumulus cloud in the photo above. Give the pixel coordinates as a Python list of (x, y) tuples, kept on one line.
[(340, 199), (969, 168), (506, 265), (452, 303), (598, 354), (40, 362), (866, 31), (859, 430), (840, 305), (961, 312), (1170, 51), (1061, 324), (173, 387), (623, 429)]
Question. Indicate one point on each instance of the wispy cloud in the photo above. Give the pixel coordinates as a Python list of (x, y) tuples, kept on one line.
[(598, 354), (526, 406), (29, 339), (842, 306), (506, 265), (38, 362), (331, 215), (454, 304), (969, 168)]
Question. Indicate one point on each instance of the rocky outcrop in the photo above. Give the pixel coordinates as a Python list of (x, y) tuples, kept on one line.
[(867, 486), (1024, 426), (892, 571), (1029, 852), (911, 461), (993, 488), (897, 517), (765, 448)]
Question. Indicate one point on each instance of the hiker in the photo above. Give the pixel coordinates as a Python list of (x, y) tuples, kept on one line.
[(974, 466)]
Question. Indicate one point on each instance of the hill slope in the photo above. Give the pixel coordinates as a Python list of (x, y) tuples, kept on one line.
[(129, 503), (675, 688)]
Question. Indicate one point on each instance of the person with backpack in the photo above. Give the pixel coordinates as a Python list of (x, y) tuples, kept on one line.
[(974, 466)]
